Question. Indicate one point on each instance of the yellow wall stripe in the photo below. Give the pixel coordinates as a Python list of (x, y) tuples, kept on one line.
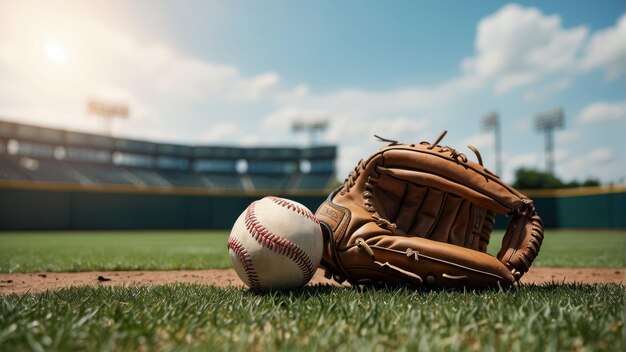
[(573, 192), (183, 191), (111, 188)]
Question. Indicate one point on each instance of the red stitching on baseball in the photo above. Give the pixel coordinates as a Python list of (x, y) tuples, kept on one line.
[(246, 262), (279, 244), (294, 207)]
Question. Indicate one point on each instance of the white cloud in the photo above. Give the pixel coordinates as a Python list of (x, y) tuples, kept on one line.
[(601, 155), (348, 157), (354, 101), (481, 141), (179, 75), (344, 129), (250, 140), (516, 46), (603, 112), (607, 49), (604, 162), (559, 85), (225, 131), (103, 59), (399, 128), (251, 90)]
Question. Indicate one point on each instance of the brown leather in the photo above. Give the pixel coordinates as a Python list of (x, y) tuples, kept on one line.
[(422, 215)]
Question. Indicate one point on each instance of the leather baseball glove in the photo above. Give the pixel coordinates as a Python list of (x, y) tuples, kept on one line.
[(422, 215)]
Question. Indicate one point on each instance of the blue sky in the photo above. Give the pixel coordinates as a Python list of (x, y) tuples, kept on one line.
[(234, 72)]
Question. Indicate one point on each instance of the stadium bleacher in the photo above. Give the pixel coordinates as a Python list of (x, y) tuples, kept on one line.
[(31, 153), (185, 179), (224, 181), (10, 172), (270, 181), (312, 181), (149, 178)]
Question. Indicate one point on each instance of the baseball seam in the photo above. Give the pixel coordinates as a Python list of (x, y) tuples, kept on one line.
[(245, 260), (278, 244), (294, 207)]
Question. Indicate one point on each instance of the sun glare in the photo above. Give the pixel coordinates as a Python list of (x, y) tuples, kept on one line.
[(55, 52)]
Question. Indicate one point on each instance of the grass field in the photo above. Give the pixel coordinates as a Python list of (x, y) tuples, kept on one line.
[(139, 250), (192, 317), (166, 250), (320, 318)]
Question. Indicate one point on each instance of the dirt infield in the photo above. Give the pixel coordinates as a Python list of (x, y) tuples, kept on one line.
[(40, 282)]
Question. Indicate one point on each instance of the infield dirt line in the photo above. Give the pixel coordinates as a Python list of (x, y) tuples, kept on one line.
[(40, 282)]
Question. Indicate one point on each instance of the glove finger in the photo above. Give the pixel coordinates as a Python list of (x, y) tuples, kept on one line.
[(522, 241), (419, 261)]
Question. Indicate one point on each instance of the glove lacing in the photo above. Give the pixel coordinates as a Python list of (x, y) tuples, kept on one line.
[(352, 176), (455, 154)]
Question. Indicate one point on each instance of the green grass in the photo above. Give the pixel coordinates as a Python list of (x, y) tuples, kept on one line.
[(184, 317), (576, 248), (169, 250), (175, 317), (85, 251)]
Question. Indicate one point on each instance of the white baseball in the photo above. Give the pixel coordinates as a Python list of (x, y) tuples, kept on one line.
[(276, 243)]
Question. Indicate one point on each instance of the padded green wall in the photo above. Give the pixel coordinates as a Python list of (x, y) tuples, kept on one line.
[(61, 210), (602, 210), (590, 211)]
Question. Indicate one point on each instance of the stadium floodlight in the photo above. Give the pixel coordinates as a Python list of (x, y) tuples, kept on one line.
[(312, 125), (492, 122), (547, 122), (107, 111)]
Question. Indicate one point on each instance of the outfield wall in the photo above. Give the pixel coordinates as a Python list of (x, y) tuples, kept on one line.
[(62, 207), (592, 207), (36, 206)]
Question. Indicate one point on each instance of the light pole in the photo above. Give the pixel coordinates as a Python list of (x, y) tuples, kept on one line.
[(492, 122), (107, 111), (547, 122), (313, 127)]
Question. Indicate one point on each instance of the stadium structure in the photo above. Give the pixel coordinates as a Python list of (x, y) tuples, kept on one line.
[(52, 179), (44, 169), (51, 155)]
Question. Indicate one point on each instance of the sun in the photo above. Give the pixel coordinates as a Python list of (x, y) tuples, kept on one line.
[(55, 52)]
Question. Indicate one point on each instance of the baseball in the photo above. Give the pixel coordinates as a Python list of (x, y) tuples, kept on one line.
[(275, 244)]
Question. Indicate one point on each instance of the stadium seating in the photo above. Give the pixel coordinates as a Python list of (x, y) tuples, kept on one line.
[(48, 155), (314, 181), (149, 177), (223, 181), (269, 182), (43, 170), (185, 179), (8, 171), (103, 174)]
